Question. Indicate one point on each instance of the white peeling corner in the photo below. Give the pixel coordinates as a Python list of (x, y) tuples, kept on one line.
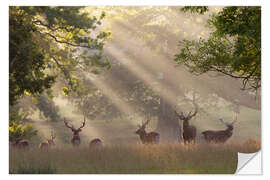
[(249, 163)]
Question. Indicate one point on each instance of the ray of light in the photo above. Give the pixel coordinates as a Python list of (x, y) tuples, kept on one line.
[(144, 75), (123, 106)]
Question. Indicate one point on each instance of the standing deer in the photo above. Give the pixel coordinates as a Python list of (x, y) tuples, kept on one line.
[(76, 140), (147, 138), (49, 143), (220, 136), (189, 131)]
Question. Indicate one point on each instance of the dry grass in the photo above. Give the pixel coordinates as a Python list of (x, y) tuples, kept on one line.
[(130, 159)]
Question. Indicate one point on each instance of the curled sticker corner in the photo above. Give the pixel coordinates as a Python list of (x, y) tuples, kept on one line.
[(249, 163)]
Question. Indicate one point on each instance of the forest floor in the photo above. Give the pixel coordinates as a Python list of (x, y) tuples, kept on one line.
[(164, 158)]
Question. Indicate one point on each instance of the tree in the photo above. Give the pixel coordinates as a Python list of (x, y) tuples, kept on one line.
[(233, 48), (18, 129), (48, 108), (46, 43)]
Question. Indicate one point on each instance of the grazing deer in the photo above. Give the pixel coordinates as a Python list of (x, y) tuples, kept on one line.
[(76, 140), (147, 138), (220, 136), (95, 144), (20, 143), (49, 143), (189, 131)]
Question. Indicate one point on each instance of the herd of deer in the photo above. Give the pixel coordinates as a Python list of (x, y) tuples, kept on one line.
[(188, 134), (188, 131)]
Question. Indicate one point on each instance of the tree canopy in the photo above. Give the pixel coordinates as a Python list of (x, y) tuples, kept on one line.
[(48, 41), (233, 48)]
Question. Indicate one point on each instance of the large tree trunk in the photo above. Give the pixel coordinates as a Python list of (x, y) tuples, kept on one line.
[(168, 124)]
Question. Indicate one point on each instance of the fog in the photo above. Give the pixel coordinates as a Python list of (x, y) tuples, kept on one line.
[(141, 50)]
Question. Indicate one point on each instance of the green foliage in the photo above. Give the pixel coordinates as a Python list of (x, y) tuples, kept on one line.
[(48, 42), (195, 9), (48, 108), (26, 60), (18, 129), (234, 48)]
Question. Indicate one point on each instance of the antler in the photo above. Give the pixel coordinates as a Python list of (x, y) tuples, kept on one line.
[(53, 136), (83, 124), (235, 119), (147, 121), (196, 107), (220, 118), (66, 123), (195, 112)]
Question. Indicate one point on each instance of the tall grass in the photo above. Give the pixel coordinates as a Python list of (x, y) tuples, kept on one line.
[(129, 159)]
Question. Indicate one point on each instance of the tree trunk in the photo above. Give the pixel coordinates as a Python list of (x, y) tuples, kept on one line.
[(168, 124)]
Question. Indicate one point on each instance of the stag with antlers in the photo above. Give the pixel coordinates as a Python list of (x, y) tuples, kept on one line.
[(76, 140), (189, 131), (147, 138), (220, 136), (49, 143)]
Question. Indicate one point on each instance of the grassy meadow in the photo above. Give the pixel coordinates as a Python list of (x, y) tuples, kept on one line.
[(165, 158), (123, 154)]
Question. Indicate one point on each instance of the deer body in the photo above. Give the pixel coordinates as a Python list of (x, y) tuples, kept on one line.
[(189, 132), (21, 144), (48, 144), (219, 136), (151, 137), (76, 140), (95, 144)]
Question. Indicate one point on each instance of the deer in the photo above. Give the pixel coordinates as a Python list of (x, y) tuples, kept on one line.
[(20, 143), (220, 136), (147, 138), (76, 140), (49, 143), (95, 144), (189, 131)]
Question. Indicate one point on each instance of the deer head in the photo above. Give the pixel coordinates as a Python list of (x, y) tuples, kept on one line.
[(187, 117), (142, 127), (229, 125), (75, 131), (51, 140)]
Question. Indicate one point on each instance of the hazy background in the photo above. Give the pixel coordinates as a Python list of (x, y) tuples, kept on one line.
[(144, 80)]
